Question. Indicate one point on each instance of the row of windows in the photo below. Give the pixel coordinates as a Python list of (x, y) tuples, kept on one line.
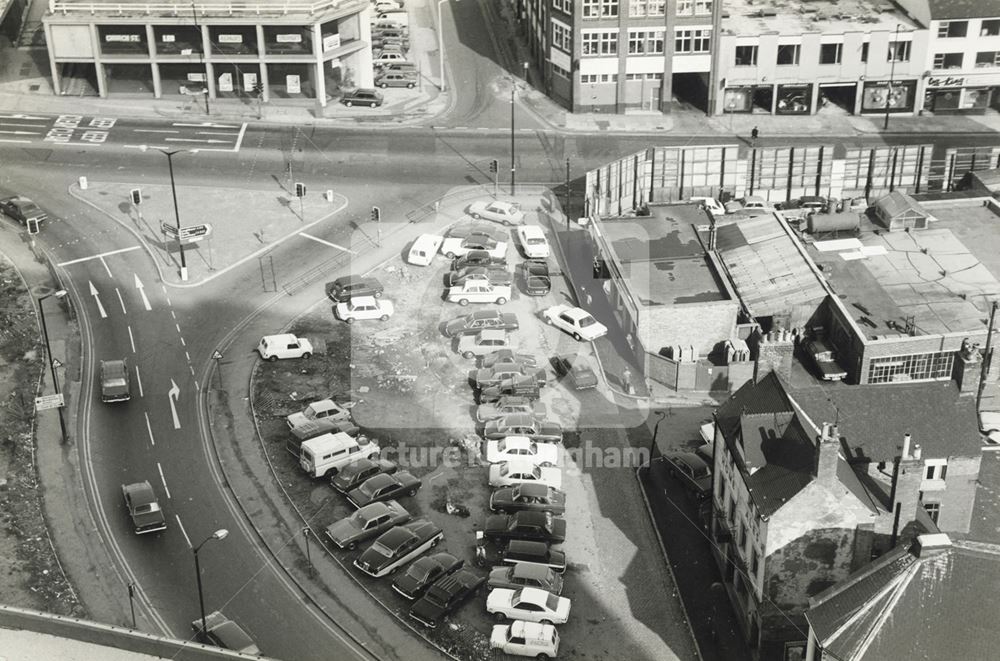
[(600, 8), (644, 42), (592, 78), (637, 8), (595, 78), (911, 367), (957, 60), (789, 54), (562, 37), (951, 29)]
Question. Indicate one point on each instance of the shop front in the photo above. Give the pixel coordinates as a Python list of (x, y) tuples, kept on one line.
[(881, 96), (794, 99), (967, 95)]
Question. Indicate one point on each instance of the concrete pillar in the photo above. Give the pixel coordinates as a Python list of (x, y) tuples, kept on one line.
[(153, 64), (210, 79), (102, 83), (53, 67), (319, 84)]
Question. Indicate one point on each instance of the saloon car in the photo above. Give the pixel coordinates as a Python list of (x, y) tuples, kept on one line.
[(508, 356), (364, 307), (143, 507), (575, 321), (222, 632), (421, 574), (521, 447), (492, 273), (528, 604), (520, 471), (525, 575), (353, 475), (366, 523), (577, 371), (384, 487), (521, 424), (479, 320), (397, 546), (528, 497), (532, 526), (507, 405), (506, 213), (445, 596), (22, 209), (483, 342)]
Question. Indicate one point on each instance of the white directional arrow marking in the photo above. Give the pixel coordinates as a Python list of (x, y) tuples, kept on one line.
[(142, 292), (172, 396), (97, 299)]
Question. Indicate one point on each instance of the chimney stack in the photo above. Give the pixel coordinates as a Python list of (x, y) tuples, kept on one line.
[(906, 446)]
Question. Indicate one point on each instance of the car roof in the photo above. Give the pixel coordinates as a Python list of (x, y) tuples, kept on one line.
[(528, 570), (484, 314), (364, 300), (532, 490), (492, 333), (525, 629), (689, 458), (532, 231), (280, 337), (374, 509)]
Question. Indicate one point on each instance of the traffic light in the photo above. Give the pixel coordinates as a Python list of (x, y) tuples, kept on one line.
[(376, 215), (300, 190), (32, 224), (258, 89), (136, 196), (494, 166)]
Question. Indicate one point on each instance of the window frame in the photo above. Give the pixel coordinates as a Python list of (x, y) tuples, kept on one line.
[(646, 41), (838, 53), (796, 55), (944, 30), (755, 50), (989, 27), (940, 62), (565, 43), (994, 59), (693, 37), (603, 42), (894, 54)]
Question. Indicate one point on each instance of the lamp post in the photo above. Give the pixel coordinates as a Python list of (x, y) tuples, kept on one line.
[(46, 293), (441, 43), (221, 533), (513, 157), (169, 153), (892, 75), (656, 430)]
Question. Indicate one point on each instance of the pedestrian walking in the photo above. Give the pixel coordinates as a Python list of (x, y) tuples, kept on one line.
[(753, 136)]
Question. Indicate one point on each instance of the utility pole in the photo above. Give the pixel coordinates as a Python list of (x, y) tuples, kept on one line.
[(892, 75), (984, 372), (567, 195), (513, 87)]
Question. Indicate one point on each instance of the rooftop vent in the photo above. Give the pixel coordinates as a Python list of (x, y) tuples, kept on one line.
[(765, 13), (927, 545)]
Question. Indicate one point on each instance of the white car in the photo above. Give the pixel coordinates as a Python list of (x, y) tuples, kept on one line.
[(528, 604), (477, 291), (507, 213), (455, 246), (524, 471), (521, 638), (286, 345), (522, 447), (711, 204), (324, 409), (533, 241), (485, 341), (364, 307), (387, 5), (575, 321)]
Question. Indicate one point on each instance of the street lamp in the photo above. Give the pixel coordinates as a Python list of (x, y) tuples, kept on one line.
[(513, 89), (46, 292), (656, 430), (169, 153), (221, 533), (441, 42)]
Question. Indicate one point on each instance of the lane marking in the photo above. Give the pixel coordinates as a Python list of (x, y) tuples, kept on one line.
[(192, 369), (229, 133), (149, 428), (103, 254), (155, 131), (183, 532), (22, 132), (142, 292), (206, 125), (196, 386), (239, 140), (97, 299), (27, 126), (188, 356), (168, 299), (110, 275), (121, 300), (21, 116), (174, 316), (138, 379), (172, 395), (183, 343), (163, 479), (327, 243), (131, 340), (210, 141), (23, 142), (178, 327)]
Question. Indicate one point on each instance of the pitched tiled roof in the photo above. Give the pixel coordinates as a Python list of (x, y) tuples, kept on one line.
[(958, 9), (766, 396)]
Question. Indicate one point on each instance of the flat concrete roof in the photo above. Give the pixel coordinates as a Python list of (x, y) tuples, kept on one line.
[(793, 17), (661, 257), (286, 11), (943, 277)]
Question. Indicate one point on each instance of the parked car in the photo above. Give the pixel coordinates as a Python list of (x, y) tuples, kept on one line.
[(349, 286), (479, 292), (397, 546), (525, 575), (521, 424), (493, 274), (355, 474), (285, 345), (421, 574), (522, 386), (483, 342), (400, 67), (521, 447), (383, 487), (577, 371), (464, 230), (477, 258), (423, 249), (313, 428), (534, 245), (521, 638), (367, 522), (535, 277), (509, 404), (693, 473), (533, 526), (517, 551), (387, 5), (324, 409), (325, 455), (222, 632), (22, 209), (528, 604), (364, 307), (383, 57), (492, 376), (520, 471), (507, 213), (143, 507), (116, 382), (709, 203), (824, 359), (445, 596), (508, 356), (364, 96), (575, 321), (456, 247), (474, 322), (528, 497)]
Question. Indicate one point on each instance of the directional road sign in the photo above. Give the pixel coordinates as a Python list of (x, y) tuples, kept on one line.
[(49, 402), (168, 229), (195, 232)]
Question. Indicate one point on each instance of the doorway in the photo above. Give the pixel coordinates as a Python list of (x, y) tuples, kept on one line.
[(78, 79), (840, 98)]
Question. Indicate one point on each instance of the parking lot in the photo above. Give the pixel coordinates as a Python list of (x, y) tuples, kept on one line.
[(409, 389)]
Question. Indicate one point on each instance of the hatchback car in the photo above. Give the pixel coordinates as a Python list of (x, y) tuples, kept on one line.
[(506, 213), (445, 596), (362, 97), (396, 79), (526, 575), (421, 574), (349, 286), (483, 342), (577, 371)]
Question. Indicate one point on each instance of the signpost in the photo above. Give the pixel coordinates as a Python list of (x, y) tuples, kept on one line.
[(193, 233), (168, 229), (46, 402)]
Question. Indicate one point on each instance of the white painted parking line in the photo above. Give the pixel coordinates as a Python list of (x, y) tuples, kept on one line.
[(138, 379), (327, 243), (209, 140), (183, 532), (207, 125), (102, 255), (22, 132), (131, 340), (163, 479), (20, 116), (149, 428)]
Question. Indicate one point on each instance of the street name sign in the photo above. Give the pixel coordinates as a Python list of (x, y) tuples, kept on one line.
[(49, 402)]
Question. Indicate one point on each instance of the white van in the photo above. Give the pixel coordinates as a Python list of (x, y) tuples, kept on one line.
[(424, 248), (325, 455), (398, 16)]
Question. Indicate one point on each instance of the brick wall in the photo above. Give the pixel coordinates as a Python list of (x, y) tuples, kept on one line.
[(701, 325)]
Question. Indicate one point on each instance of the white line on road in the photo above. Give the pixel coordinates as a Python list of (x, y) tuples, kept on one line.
[(183, 343), (20, 116), (183, 532), (191, 367), (172, 395), (22, 132), (206, 125), (239, 141), (97, 300), (26, 142), (155, 131), (327, 243), (163, 479), (149, 428), (121, 300), (229, 133), (138, 379), (110, 275), (131, 340), (178, 327), (142, 292), (209, 140), (103, 254), (188, 356), (168, 299), (196, 387), (30, 126), (173, 316)]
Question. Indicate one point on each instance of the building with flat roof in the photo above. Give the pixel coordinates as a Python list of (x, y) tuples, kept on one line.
[(293, 49)]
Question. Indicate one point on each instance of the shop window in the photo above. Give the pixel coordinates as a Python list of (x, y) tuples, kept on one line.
[(177, 40), (788, 54), (287, 40), (948, 60), (233, 39), (947, 29), (990, 28), (746, 56), (830, 53), (864, 52), (899, 51), (933, 511), (988, 59)]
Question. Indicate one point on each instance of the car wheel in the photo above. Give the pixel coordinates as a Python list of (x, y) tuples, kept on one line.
[(349, 103), (548, 320), (499, 617), (412, 492), (384, 317), (475, 215), (349, 320), (450, 255), (542, 657), (272, 359), (463, 301), (409, 86), (545, 622), (377, 294), (306, 356), (331, 473), (501, 300), (468, 354), (506, 223), (547, 464), (576, 336), (374, 105), (435, 542), (383, 85)]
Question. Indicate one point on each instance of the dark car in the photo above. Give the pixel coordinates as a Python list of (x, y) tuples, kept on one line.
[(467, 229), (526, 575), (535, 277), (419, 576), (22, 209), (522, 424), (362, 97), (397, 546), (493, 274), (491, 319), (528, 497), (577, 371), (349, 286), (143, 508), (222, 632), (825, 360), (116, 382), (508, 356), (476, 258), (384, 487), (366, 523), (691, 471), (445, 596), (492, 376), (521, 386), (354, 474), (534, 526), (516, 551)]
